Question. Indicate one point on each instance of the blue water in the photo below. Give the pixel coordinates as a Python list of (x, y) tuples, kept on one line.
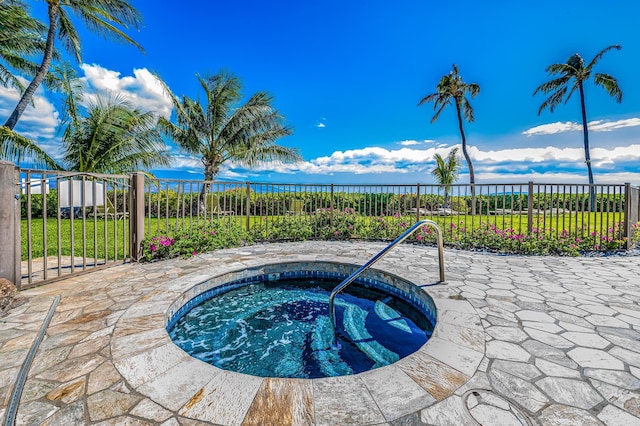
[(282, 329)]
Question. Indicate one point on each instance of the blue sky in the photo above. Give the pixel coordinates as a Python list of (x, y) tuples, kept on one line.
[(348, 77)]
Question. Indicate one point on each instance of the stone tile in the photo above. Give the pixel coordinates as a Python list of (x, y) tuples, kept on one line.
[(148, 409), (461, 358), (33, 413), (549, 338), (68, 392), (395, 393), (589, 340), (451, 411), (36, 389), (542, 326), (620, 379), (72, 414), (507, 351), (143, 367), (628, 401), (108, 403), (102, 378), (224, 400), (344, 400), (517, 389), (561, 415), (460, 318), (124, 421), (455, 305), (595, 358), (173, 388), (606, 321), (8, 376), (555, 370), (507, 334), (611, 415), (46, 359), (438, 379), (571, 392), (70, 369), (282, 402), (463, 336), (520, 369), (132, 344), (535, 316)]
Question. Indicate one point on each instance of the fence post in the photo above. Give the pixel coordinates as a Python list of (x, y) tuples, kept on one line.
[(136, 215), (627, 214), (418, 203), (247, 213), (331, 207), (530, 208), (10, 250)]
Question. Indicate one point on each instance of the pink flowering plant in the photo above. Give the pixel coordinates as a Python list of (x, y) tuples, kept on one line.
[(539, 242), (204, 237)]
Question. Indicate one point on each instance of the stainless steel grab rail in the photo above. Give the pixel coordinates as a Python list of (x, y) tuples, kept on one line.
[(374, 259)]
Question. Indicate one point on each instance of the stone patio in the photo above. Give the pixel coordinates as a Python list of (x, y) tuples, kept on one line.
[(558, 343)]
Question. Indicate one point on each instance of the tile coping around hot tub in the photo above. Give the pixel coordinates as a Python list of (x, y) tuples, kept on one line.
[(146, 357)]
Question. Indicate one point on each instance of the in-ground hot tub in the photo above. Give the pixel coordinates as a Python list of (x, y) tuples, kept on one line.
[(154, 367), (274, 321)]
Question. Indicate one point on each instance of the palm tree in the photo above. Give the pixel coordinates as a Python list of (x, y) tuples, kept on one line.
[(447, 171), (224, 129), (101, 16), (21, 36), (111, 136), (452, 90), (572, 75)]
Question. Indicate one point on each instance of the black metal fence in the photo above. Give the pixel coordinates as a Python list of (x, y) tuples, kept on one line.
[(74, 222)]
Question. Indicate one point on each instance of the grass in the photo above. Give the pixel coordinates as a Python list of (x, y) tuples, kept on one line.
[(117, 237)]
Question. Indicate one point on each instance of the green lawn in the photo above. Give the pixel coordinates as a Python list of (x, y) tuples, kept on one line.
[(115, 233)]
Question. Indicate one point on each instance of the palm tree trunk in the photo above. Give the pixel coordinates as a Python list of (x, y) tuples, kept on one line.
[(587, 155), (12, 121), (210, 172), (472, 178)]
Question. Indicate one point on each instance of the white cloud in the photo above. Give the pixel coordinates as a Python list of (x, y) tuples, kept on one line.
[(39, 120), (320, 125), (142, 89), (595, 126), (414, 142)]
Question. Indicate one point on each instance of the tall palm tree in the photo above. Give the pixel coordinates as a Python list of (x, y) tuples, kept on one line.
[(572, 76), (453, 90), (224, 129), (101, 16), (108, 135), (21, 37), (447, 171)]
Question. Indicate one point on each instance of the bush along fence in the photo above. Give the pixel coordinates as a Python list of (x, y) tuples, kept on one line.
[(65, 223)]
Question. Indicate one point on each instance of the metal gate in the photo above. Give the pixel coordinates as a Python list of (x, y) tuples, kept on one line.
[(71, 223)]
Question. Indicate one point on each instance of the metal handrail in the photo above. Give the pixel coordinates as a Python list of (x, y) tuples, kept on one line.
[(380, 255)]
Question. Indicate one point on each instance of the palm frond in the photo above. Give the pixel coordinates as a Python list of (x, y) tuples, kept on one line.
[(552, 85), (102, 18), (553, 101), (610, 84), (68, 35), (601, 54), (15, 147)]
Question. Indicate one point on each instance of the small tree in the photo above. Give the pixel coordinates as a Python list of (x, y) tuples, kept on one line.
[(447, 171)]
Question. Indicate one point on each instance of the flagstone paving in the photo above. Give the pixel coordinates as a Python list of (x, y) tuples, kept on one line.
[(520, 340)]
